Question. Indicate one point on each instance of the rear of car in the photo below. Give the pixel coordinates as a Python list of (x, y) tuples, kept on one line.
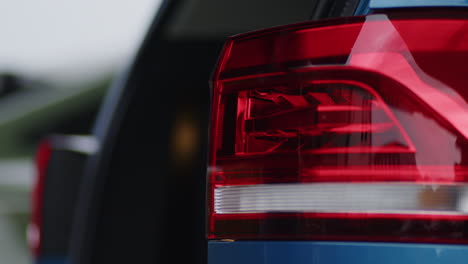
[(343, 140), (60, 162), (338, 139)]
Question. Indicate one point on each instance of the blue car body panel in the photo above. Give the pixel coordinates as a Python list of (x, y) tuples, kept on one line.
[(378, 4), (362, 8), (367, 6), (302, 252), (52, 260)]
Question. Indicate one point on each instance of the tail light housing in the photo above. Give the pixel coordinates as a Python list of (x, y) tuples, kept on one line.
[(347, 129), (34, 233)]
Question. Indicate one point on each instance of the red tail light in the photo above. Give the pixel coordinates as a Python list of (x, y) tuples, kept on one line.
[(35, 226), (349, 129)]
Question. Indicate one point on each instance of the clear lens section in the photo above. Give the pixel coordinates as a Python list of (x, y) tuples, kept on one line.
[(378, 198), (349, 129)]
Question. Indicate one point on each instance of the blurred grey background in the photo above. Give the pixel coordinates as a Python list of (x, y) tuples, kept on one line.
[(57, 58)]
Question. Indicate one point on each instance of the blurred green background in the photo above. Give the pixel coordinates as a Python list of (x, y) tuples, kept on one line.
[(57, 59), (30, 110)]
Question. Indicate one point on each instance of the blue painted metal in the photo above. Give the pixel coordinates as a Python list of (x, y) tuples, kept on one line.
[(276, 252), (380, 4), (366, 6), (52, 260), (362, 8)]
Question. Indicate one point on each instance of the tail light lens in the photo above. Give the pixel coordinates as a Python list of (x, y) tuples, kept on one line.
[(35, 225), (348, 129)]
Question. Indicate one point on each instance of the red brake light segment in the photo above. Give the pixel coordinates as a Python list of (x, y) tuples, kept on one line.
[(35, 226), (317, 116), (349, 129)]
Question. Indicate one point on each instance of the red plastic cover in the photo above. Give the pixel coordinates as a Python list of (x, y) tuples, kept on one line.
[(34, 232), (348, 129)]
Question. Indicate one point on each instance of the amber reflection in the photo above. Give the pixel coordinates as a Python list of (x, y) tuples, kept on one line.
[(185, 138)]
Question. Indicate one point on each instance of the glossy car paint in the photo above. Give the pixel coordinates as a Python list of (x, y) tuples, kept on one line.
[(368, 6), (380, 4), (333, 252)]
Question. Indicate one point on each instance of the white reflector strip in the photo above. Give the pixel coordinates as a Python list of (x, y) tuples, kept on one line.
[(388, 198)]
